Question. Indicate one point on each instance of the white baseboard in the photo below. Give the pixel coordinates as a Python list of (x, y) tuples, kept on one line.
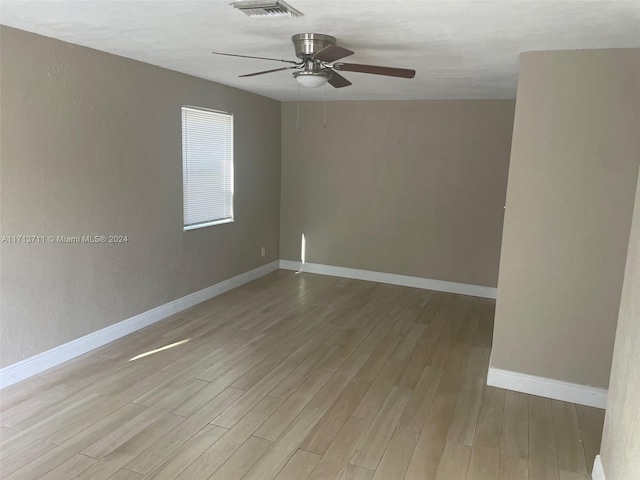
[(547, 387), (45, 360), (598, 469), (392, 278)]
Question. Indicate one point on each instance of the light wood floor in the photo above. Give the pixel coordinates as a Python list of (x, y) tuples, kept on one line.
[(296, 377)]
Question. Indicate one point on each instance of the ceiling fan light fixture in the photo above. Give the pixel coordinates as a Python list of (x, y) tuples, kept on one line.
[(266, 8), (312, 79)]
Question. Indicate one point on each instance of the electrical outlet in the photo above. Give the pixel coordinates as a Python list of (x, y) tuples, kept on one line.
[(263, 250)]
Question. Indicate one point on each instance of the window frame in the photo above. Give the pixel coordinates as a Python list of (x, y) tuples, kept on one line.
[(221, 221)]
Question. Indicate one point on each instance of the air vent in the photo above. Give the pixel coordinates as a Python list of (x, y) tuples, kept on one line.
[(261, 9)]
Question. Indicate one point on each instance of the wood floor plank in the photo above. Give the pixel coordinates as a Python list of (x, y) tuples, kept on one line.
[(242, 460), (478, 363), (26, 455), (439, 320), (121, 435), (564, 475), (252, 397), (512, 468), (379, 357), (375, 307), (84, 411), (571, 455), (323, 434), (313, 384), (258, 372), (591, 440), (270, 464), (205, 395), (396, 457), (370, 451), (220, 451), (189, 452), (382, 324), (428, 452), (21, 392), (454, 321), (316, 341), (540, 407), (282, 418), (348, 338), (590, 417), (204, 357), (463, 424), (455, 461), (116, 460), (289, 385), (419, 359), (515, 428), (409, 341), (469, 327), (336, 384), (451, 383), (165, 446), (417, 409), (227, 362), (406, 312), (67, 422), (194, 354), (300, 466), (354, 472), (459, 359), (156, 394), (61, 453), (543, 461), (441, 354), (125, 475), (485, 463), (290, 335), (379, 390), (69, 469), (431, 308), (335, 459), (484, 333), (489, 427), (25, 410), (79, 371), (7, 433)]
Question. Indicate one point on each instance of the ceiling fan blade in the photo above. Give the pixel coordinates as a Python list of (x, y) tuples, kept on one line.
[(257, 58), (265, 71), (338, 81), (332, 53), (375, 69)]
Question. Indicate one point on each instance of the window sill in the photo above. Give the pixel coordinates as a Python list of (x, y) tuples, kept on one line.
[(186, 228)]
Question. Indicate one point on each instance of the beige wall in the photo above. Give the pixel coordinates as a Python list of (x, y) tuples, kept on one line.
[(413, 188), (572, 179), (620, 450), (90, 145)]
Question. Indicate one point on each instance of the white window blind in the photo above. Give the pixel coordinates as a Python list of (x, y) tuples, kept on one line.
[(207, 167)]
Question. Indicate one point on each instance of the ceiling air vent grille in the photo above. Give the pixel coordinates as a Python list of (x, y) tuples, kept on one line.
[(261, 9)]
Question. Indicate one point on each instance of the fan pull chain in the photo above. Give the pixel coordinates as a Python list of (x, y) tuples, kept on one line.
[(324, 108), (298, 110)]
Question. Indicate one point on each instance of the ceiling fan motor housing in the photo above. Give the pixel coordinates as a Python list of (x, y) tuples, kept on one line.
[(307, 44)]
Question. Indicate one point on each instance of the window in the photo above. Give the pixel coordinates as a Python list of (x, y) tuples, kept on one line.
[(207, 167)]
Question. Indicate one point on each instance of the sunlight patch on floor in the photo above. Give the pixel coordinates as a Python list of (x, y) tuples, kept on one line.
[(166, 347)]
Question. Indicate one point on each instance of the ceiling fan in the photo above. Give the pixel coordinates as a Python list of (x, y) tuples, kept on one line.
[(318, 54)]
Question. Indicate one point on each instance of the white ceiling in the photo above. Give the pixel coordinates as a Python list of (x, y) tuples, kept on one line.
[(460, 49)]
